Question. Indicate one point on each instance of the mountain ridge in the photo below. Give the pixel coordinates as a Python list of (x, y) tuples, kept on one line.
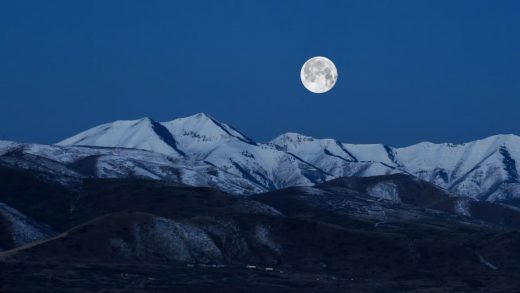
[(484, 169)]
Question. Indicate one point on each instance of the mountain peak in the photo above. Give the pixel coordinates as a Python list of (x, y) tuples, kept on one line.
[(146, 119), (205, 128), (201, 115), (291, 137), (144, 133)]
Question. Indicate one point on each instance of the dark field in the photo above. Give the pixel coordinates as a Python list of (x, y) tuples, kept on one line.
[(134, 235), (50, 277)]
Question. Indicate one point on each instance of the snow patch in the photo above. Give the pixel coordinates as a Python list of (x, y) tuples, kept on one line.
[(6, 146), (462, 207), (485, 262), (175, 241), (263, 236), (384, 190), (24, 229)]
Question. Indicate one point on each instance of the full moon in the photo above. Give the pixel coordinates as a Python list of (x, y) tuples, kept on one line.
[(319, 74)]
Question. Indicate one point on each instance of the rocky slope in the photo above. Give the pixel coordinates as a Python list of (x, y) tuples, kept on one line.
[(394, 230)]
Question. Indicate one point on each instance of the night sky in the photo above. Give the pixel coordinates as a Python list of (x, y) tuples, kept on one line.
[(409, 71)]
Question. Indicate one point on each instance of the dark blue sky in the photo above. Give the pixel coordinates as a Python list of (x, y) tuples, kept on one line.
[(408, 70)]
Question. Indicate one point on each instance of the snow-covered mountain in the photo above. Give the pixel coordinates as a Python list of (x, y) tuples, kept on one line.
[(200, 150), (339, 159), (203, 138), (485, 169), (144, 134), (68, 165)]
